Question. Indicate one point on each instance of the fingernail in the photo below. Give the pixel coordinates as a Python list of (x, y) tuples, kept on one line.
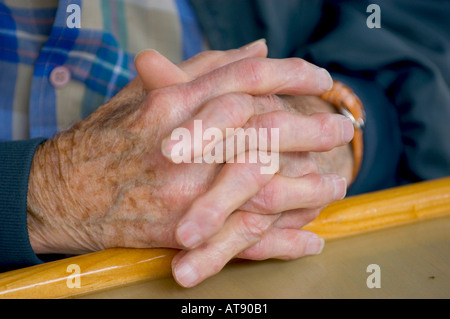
[(339, 183), (314, 245), (188, 235), (325, 80), (348, 130), (142, 51), (185, 275), (255, 43), (340, 187)]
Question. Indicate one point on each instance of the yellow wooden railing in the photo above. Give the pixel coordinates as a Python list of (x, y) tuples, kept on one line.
[(118, 267)]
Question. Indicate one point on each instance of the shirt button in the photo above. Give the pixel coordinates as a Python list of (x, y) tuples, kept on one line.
[(60, 76)]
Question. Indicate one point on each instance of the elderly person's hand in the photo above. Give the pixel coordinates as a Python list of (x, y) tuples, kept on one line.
[(213, 230), (105, 183)]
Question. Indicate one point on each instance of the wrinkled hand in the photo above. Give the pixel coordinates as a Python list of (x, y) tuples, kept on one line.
[(257, 230), (105, 183)]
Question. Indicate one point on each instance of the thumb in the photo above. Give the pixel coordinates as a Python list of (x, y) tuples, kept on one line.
[(156, 71), (208, 61)]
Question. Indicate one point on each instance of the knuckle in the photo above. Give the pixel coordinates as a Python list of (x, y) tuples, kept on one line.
[(257, 251), (171, 102), (210, 211), (259, 204), (294, 249), (267, 120), (253, 226), (216, 265), (157, 97), (207, 55), (251, 176), (253, 71), (299, 64), (157, 103), (224, 57), (327, 129), (270, 195), (317, 186), (299, 250), (322, 191)]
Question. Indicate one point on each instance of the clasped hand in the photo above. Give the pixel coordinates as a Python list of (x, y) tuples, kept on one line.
[(109, 181)]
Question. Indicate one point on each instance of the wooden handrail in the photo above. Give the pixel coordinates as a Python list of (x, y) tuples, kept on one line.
[(383, 209), (119, 266), (97, 271)]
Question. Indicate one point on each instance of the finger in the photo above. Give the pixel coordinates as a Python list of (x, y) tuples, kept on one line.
[(261, 76), (209, 212), (297, 218), (255, 76), (286, 244), (216, 123), (297, 164), (218, 117), (207, 61), (285, 193), (233, 186), (178, 256), (282, 131), (277, 132), (317, 132), (156, 71), (241, 231)]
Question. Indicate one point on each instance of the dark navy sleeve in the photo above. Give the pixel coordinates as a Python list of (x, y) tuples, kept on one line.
[(400, 70), (15, 163), (408, 58)]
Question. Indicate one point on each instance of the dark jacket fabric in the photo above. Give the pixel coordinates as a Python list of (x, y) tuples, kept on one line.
[(400, 71), (15, 164)]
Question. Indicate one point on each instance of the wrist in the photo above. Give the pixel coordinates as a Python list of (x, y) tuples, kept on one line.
[(37, 200), (42, 199)]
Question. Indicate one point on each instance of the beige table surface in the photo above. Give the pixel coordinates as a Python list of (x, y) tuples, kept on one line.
[(414, 261)]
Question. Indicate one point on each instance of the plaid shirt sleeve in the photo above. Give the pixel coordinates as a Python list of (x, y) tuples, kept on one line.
[(97, 59), (52, 76)]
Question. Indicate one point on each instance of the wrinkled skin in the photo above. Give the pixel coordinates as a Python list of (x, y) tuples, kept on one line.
[(108, 177), (105, 182)]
